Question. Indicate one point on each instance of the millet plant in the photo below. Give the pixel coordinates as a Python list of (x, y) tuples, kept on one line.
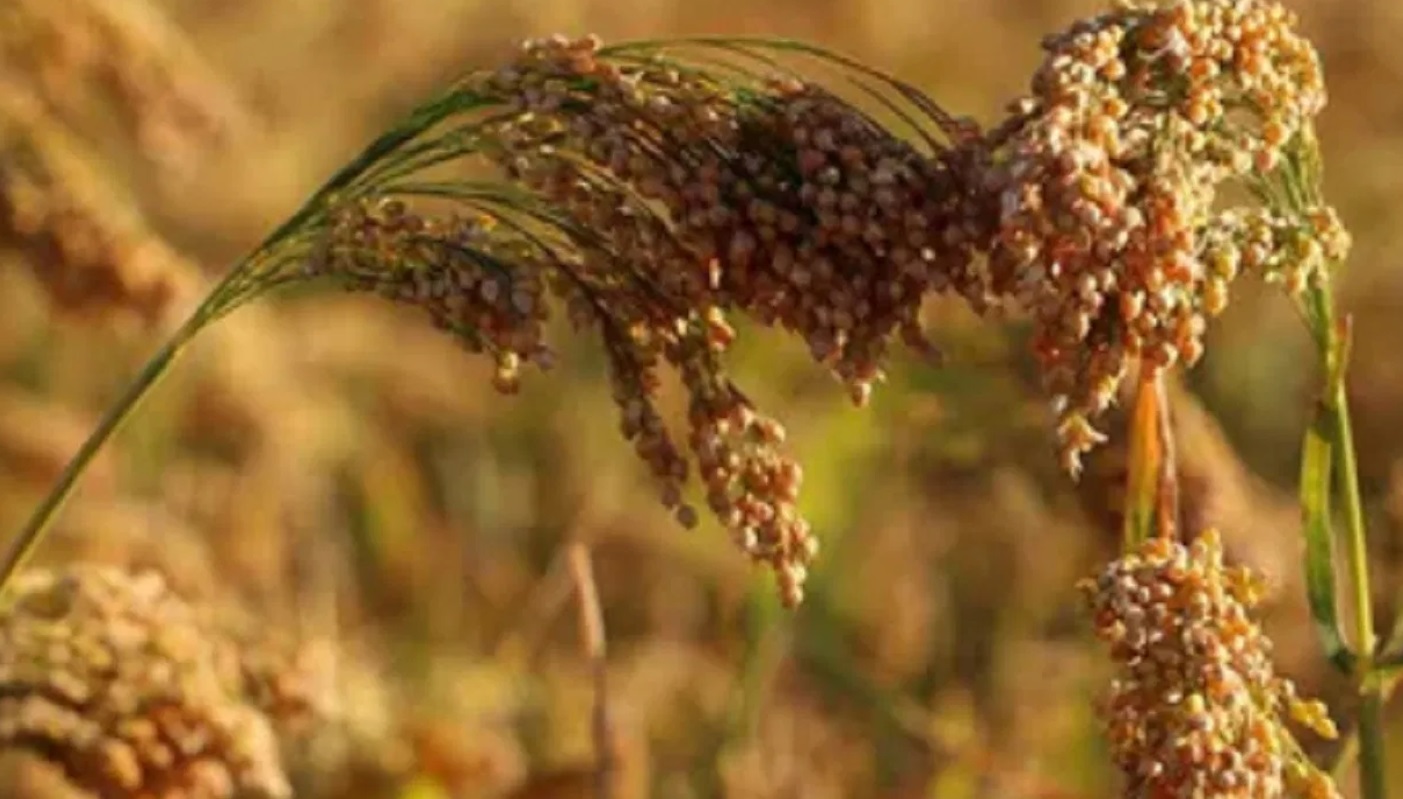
[(652, 192)]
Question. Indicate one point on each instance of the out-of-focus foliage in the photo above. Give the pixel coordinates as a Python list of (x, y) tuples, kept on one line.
[(347, 474)]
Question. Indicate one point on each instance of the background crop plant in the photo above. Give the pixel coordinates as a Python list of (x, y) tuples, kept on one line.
[(664, 197)]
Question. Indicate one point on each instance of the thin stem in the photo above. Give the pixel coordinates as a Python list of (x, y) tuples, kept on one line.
[(542, 605), (223, 298), (592, 628), (1371, 754), (38, 524), (1354, 521), (1372, 761), (1299, 190), (1167, 501), (1145, 467), (1349, 747)]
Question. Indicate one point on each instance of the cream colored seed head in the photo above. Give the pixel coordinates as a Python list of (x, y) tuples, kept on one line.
[(1197, 708), (1097, 175), (118, 681)]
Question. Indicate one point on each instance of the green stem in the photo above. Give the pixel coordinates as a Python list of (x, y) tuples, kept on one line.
[(1300, 180), (1349, 747), (33, 532), (1372, 761), (385, 152)]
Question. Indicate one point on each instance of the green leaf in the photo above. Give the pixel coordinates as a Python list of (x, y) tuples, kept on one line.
[(1316, 478)]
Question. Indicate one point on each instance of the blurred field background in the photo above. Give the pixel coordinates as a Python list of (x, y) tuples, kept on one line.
[(338, 469)]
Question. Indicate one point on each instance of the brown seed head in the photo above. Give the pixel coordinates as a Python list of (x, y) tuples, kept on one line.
[(90, 253), (683, 199), (782, 202), (87, 59), (116, 680)]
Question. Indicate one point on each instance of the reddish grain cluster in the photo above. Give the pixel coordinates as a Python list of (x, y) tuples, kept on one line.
[(683, 199), (780, 200), (484, 287)]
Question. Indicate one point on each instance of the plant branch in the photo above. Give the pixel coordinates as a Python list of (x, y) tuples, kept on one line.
[(1146, 463), (1167, 501), (1369, 684), (27, 540), (592, 629)]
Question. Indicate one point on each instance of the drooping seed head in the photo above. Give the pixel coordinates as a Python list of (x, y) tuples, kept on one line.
[(653, 200)]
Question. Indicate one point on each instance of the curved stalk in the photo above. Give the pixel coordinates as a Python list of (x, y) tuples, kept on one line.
[(112, 420)]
